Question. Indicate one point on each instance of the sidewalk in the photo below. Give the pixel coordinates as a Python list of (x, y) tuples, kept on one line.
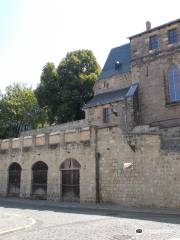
[(13, 222), (83, 207)]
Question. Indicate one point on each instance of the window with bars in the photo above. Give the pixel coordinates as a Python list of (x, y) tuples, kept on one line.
[(172, 36), (105, 115), (153, 42), (174, 83)]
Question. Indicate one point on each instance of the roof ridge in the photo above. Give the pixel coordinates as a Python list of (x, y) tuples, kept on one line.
[(116, 90), (121, 46), (111, 96)]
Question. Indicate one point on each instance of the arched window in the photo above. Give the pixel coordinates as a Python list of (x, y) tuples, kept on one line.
[(39, 180), (14, 179), (174, 83), (70, 175)]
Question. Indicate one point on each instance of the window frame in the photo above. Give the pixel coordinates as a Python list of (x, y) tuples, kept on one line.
[(153, 42), (172, 36), (175, 81)]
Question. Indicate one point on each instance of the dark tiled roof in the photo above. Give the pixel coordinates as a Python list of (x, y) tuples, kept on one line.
[(121, 54), (113, 96)]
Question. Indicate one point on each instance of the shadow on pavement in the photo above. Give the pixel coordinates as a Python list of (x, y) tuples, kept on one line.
[(93, 209)]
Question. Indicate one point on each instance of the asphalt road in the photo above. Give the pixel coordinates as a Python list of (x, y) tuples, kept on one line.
[(52, 223)]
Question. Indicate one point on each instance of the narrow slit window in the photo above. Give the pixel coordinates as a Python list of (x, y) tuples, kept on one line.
[(105, 115)]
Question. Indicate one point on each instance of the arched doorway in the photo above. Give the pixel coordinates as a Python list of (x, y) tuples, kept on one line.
[(14, 179), (70, 176), (39, 180)]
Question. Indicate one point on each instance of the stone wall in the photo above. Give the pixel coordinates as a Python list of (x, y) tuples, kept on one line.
[(52, 149), (122, 113), (140, 42), (144, 175), (59, 127), (134, 169), (153, 89), (149, 68), (94, 115), (113, 83)]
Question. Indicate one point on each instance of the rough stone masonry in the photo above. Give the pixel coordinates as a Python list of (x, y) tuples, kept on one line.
[(127, 149)]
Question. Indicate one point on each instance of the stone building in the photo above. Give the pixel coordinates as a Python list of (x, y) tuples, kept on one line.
[(126, 150)]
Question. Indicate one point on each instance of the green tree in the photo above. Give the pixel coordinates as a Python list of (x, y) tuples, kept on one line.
[(65, 91), (19, 110), (47, 91)]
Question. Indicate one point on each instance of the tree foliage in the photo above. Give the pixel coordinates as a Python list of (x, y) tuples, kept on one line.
[(19, 111), (46, 92), (64, 91)]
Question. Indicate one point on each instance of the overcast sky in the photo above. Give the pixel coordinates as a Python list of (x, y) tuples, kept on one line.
[(33, 32)]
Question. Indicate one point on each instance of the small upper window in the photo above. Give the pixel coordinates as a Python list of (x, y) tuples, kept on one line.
[(172, 36), (105, 115), (174, 83), (117, 65), (153, 42)]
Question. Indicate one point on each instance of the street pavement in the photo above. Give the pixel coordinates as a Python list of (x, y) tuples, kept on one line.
[(11, 222), (67, 221)]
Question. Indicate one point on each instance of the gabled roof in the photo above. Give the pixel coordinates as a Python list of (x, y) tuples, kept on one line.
[(112, 96), (121, 54)]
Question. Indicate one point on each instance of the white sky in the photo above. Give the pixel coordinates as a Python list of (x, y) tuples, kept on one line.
[(33, 32)]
